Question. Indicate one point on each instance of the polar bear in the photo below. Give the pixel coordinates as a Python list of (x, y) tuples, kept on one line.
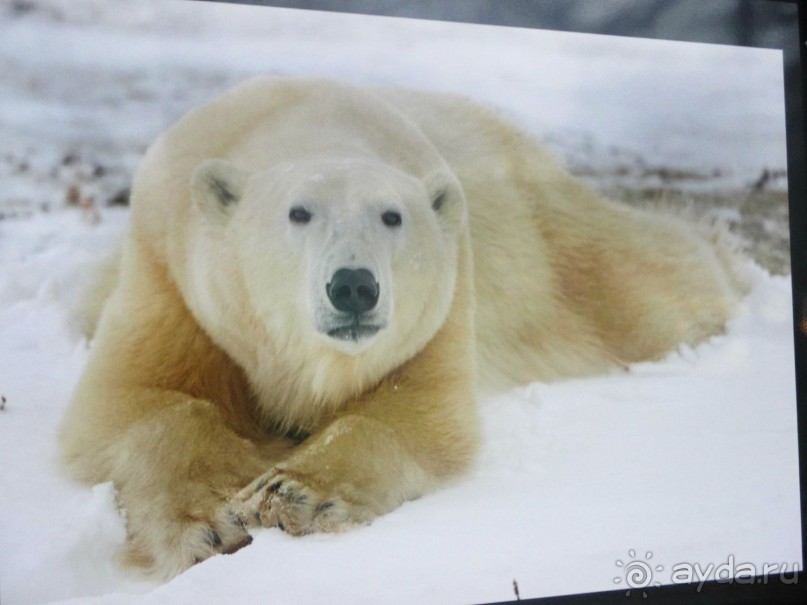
[(317, 281)]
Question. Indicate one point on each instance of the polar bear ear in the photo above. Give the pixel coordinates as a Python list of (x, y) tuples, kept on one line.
[(447, 199), (217, 186)]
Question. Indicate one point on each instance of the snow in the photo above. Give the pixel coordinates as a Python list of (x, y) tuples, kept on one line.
[(693, 459)]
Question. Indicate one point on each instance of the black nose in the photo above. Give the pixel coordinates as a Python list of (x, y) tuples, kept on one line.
[(353, 290)]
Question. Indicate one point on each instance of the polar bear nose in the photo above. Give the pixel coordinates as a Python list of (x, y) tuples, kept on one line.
[(353, 290)]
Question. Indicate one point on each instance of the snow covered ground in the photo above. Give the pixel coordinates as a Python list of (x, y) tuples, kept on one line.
[(692, 459)]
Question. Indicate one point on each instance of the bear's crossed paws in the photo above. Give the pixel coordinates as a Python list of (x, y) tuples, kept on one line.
[(280, 498)]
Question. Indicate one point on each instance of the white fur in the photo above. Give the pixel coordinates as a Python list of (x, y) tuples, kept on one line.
[(214, 349)]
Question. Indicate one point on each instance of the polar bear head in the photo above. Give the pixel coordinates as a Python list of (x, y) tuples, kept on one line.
[(352, 257)]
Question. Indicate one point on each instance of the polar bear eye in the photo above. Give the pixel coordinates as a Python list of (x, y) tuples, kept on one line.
[(300, 215), (391, 218)]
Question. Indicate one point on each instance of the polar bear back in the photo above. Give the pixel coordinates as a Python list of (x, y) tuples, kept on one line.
[(568, 283)]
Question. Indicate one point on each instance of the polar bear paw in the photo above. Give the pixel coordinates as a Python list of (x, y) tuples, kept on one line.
[(166, 544), (224, 534), (289, 501)]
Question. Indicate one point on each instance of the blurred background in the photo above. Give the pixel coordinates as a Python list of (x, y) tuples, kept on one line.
[(88, 84)]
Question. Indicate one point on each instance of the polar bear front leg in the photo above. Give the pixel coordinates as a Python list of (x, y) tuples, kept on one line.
[(174, 472), (348, 474)]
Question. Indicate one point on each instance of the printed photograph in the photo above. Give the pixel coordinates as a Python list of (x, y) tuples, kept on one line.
[(321, 307)]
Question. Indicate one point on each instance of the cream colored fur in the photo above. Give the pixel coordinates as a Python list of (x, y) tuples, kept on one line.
[(215, 400)]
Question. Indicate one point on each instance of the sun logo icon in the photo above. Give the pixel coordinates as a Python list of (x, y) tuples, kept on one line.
[(638, 573)]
